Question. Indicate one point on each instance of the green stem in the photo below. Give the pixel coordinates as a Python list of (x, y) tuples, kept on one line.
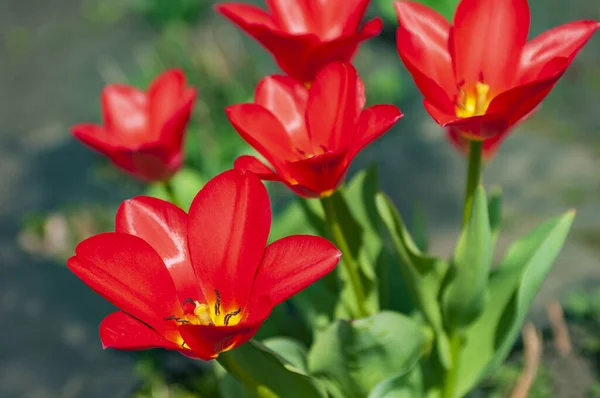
[(452, 374), (473, 177), (171, 193), (347, 258), (228, 362)]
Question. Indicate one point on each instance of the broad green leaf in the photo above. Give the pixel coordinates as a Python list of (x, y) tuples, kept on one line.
[(495, 212), (424, 275), (268, 374), (512, 288), (186, 184), (419, 227), (355, 356), (464, 295), (405, 385), (290, 350)]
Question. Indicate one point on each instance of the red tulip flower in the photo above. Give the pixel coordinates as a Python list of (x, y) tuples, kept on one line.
[(305, 35), (142, 132), (480, 76), (200, 283), (309, 136)]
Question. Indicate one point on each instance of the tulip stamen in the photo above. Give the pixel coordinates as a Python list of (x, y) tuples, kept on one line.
[(230, 315), (474, 103), (218, 303), (176, 319)]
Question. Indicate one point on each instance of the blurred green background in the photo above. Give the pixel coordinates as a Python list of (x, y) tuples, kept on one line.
[(56, 56)]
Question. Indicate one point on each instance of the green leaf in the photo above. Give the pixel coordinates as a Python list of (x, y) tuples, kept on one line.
[(186, 184), (405, 385), (495, 212), (424, 275), (268, 374), (464, 297), (355, 356), (512, 288), (419, 224), (290, 350)]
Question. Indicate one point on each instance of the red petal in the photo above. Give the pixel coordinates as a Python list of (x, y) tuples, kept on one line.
[(229, 223), (520, 101), (164, 227), (286, 98), (372, 124), (487, 40), (245, 15), (341, 49), (130, 274), (263, 131), (125, 111), (207, 342), (563, 41), (165, 94), (422, 43), (412, 50), (154, 162), (334, 104), (173, 130), (94, 136), (320, 173), (475, 127), (256, 167), (123, 332), (293, 16), (290, 265)]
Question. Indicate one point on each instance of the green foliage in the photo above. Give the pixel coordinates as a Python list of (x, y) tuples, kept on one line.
[(267, 374), (464, 296), (353, 357), (162, 12), (503, 380), (424, 275), (407, 385), (512, 287)]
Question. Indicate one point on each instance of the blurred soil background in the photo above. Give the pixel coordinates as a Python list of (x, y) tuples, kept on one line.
[(56, 56)]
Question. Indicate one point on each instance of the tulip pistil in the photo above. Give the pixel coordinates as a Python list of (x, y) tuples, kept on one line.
[(473, 104)]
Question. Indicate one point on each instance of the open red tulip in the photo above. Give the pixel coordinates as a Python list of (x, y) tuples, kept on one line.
[(480, 76), (142, 132), (200, 283), (305, 35), (309, 136)]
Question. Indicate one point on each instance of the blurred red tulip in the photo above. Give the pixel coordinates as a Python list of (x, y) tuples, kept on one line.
[(309, 136), (305, 35), (143, 131), (480, 76), (199, 283)]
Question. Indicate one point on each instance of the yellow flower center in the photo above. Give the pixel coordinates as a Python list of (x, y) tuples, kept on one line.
[(468, 105), (197, 313)]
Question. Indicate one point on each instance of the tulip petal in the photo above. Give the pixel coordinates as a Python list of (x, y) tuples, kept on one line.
[(320, 173), (121, 331), (173, 129), (334, 103), (164, 97), (422, 42), (412, 50), (563, 41), (475, 127), (487, 40), (164, 227), (290, 265), (256, 167), (293, 16), (208, 341), (286, 98), (130, 274), (245, 15), (341, 49), (263, 131), (228, 224), (125, 113), (93, 136), (372, 124), (520, 101)]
